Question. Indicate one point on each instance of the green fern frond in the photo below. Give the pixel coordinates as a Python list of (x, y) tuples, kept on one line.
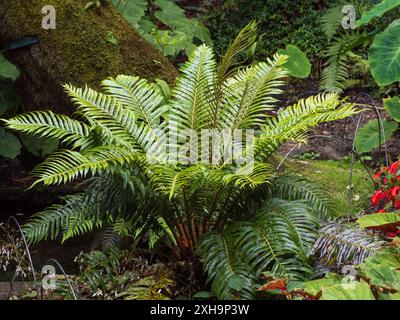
[(137, 95), (191, 98), (336, 71), (293, 123), (47, 124), (66, 219), (330, 21), (293, 187), (230, 277), (345, 243), (251, 94), (65, 165)]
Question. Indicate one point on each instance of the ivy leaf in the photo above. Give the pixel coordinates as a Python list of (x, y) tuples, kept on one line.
[(10, 147), (392, 106), (297, 63), (7, 69), (368, 137), (384, 55)]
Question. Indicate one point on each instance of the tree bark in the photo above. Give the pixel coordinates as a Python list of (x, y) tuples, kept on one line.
[(77, 51)]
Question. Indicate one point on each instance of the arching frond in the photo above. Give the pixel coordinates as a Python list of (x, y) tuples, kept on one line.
[(344, 243), (47, 124), (252, 93), (293, 187), (276, 239), (295, 121), (194, 90), (65, 165), (230, 277), (66, 219), (137, 95)]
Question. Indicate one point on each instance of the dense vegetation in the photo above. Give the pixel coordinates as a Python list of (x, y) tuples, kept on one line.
[(194, 188)]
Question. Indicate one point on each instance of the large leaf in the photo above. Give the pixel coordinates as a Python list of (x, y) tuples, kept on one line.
[(384, 55), (132, 10), (378, 219), (39, 146), (348, 291), (392, 106), (7, 69), (383, 269), (169, 13), (377, 11), (297, 62), (8, 96), (9, 144), (369, 136)]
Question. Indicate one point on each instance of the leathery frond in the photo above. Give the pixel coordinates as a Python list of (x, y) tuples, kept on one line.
[(344, 243), (230, 277), (71, 132), (295, 121), (277, 239), (194, 91), (250, 94), (293, 187), (65, 165), (137, 95)]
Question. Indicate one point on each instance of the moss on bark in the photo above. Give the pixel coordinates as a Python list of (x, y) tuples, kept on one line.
[(77, 51)]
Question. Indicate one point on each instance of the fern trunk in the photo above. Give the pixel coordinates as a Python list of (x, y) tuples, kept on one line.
[(78, 51)]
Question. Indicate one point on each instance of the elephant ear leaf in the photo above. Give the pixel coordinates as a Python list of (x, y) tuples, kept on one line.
[(392, 106), (297, 62), (371, 135), (377, 11), (384, 55)]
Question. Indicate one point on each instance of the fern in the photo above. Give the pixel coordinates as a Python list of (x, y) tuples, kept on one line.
[(119, 149), (341, 244)]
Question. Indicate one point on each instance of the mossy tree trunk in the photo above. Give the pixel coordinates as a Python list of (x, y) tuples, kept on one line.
[(76, 52)]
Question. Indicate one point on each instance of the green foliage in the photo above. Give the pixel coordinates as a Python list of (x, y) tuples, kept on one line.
[(297, 63), (338, 175), (278, 238), (378, 219), (377, 11), (135, 187), (9, 144), (282, 23), (178, 33), (383, 58), (7, 69), (372, 135), (384, 55), (392, 106), (340, 244), (118, 274)]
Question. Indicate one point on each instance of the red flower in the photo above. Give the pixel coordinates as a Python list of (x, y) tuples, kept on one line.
[(377, 197), (377, 175), (382, 211), (393, 167), (394, 191)]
